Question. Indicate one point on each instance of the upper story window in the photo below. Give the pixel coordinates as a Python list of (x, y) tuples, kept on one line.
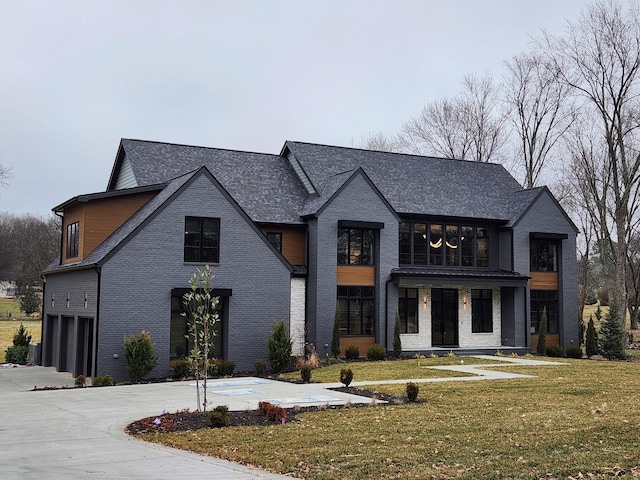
[(443, 244), (201, 239), (544, 255), (276, 240), (73, 239), (356, 246)]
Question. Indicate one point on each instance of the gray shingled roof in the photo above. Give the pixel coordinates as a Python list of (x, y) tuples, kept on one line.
[(414, 184), (264, 185)]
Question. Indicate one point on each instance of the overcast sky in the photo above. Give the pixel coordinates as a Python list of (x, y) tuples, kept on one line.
[(77, 76)]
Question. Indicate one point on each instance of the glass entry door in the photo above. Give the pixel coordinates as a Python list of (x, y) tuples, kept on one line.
[(444, 317)]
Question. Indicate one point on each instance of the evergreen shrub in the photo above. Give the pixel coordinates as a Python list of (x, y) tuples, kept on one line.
[(352, 352)]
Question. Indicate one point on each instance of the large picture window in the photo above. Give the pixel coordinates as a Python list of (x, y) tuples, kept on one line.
[(356, 246), (441, 244), (408, 309), (73, 240), (544, 255), (542, 300), (202, 239), (356, 310), (481, 311), (180, 344)]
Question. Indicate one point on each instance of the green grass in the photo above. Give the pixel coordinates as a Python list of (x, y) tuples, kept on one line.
[(371, 371), (575, 420), (8, 329)]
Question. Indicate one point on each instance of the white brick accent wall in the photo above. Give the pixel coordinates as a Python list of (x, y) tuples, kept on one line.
[(466, 339), (297, 315)]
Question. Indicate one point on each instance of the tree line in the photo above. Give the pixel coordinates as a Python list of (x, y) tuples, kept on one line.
[(566, 113)]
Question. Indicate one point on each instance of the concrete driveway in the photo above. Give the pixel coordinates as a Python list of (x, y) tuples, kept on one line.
[(79, 433)]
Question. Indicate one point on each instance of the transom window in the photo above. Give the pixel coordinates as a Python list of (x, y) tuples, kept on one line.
[(408, 309), (542, 300), (544, 255), (356, 246), (481, 311), (276, 240), (73, 234), (356, 310), (443, 244), (201, 239)]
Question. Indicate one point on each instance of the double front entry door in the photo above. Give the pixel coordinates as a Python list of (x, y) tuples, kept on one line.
[(444, 317)]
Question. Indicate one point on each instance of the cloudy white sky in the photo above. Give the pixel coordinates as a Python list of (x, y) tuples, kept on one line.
[(79, 75)]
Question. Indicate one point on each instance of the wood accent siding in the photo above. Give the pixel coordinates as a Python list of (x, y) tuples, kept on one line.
[(99, 219), (550, 339), (363, 343), (544, 281), (293, 242), (359, 275)]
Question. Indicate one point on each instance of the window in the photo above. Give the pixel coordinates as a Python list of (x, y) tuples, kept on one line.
[(443, 245), (73, 232), (544, 255), (481, 311), (355, 246), (276, 240), (408, 309), (542, 300), (356, 310), (201, 239), (179, 341)]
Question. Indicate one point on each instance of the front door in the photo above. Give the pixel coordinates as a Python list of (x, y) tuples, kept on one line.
[(444, 317)]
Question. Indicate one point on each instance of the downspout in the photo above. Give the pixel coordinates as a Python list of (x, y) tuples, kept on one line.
[(42, 324), (386, 314)]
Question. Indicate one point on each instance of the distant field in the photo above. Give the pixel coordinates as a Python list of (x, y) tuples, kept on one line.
[(10, 309), (8, 329)]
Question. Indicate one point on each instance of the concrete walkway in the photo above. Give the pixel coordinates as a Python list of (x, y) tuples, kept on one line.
[(79, 433)]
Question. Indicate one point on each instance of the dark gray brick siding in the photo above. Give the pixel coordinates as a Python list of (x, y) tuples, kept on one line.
[(545, 216), (357, 201)]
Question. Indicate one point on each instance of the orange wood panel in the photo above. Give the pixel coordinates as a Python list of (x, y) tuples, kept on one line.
[(544, 281), (549, 340), (293, 242), (362, 275), (363, 343)]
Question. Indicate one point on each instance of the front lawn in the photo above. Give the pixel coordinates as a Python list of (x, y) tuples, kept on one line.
[(577, 420)]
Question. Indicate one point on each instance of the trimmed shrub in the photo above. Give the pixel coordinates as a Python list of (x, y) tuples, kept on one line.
[(574, 352), (541, 347), (226, 368), (554, 351), (17, 354), (352, 352), (271, 411), (261, 368), (412, 391), (591, 339), (103, 381), (138, 350), (305, 374), (218, 417), (346, 376), (376, 352), (397, 341), (279, 348), (22, 337), (611, 343), (181, 368), (80, 381)]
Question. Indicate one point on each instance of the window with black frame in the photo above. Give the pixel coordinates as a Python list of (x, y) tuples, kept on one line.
[(544, 255), (544, 300), (202, 239), (356, 246), (408, 309), (73, 240), (356, 310), (276, 240), (481, 310)]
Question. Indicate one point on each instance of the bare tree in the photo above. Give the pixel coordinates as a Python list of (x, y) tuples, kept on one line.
[(467, 127), (599, 60), (381, 142), (5, 174), (538, 111)]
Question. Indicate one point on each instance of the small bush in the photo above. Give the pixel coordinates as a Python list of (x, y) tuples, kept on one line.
[(181, 368), (305, 374), (554, 351), (352, 352), (17, 354), (22, 337), (103, 381), (376, 352), (279, 348), (346, 376), (271, 411), (573, 352), (412, 391), (80, 381), (226, 368), (591, 338), (218, 417), (138, 350), (261, 368)]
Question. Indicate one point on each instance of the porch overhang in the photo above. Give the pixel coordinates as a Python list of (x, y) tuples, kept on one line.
[(457, 276)]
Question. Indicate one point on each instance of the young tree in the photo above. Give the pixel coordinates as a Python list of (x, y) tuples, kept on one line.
[(141, 359), (201, 315), (611, 341), (541, 347), (335, 339), (397, 341), (279, 348), (29, 301), (591, 341)]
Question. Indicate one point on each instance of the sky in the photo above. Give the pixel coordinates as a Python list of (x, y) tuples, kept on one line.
[(77, 76)]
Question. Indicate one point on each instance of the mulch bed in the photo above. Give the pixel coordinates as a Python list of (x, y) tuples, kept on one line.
[(187, 420)]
